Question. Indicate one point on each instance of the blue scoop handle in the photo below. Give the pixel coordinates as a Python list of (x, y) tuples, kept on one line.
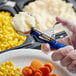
[(56, 45), (53, 44)]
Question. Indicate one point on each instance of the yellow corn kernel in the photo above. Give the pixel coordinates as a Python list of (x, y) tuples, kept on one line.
[(8, 36), (1, 74), (9, 69)]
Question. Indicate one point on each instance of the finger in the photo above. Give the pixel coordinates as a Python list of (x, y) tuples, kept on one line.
[(68, 23), (69, 58), (72, 67), (45, 48), (61, 53), (66, 41)]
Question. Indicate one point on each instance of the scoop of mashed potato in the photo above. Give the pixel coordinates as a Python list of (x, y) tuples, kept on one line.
[(23, 22), (46, 11)]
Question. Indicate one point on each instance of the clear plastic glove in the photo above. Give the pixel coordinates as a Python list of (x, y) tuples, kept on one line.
[(66, 55)]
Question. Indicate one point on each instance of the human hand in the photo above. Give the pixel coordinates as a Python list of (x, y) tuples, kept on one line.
[(66, 55)]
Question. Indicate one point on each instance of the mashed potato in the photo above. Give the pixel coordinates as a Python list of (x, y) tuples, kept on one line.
[(46, 11), (23, 22)]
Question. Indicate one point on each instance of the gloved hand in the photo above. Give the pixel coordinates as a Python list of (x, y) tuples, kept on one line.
[(66, 55)]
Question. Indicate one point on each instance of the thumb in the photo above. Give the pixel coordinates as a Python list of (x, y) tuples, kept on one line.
[(45, 48), (67, 23)]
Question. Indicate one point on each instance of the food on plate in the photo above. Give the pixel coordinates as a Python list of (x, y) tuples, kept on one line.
[(38, 73), (53, 74), (36, 65), (45, 71), (27, 70), (9, 69), (36, 69), (46, 11), (49, 66), (8, 36), (23, 22)]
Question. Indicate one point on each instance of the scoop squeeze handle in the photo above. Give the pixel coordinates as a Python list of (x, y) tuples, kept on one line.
[(53, 44), (56, 45)]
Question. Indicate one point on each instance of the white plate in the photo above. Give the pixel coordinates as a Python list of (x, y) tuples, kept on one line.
[(23, 57)]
